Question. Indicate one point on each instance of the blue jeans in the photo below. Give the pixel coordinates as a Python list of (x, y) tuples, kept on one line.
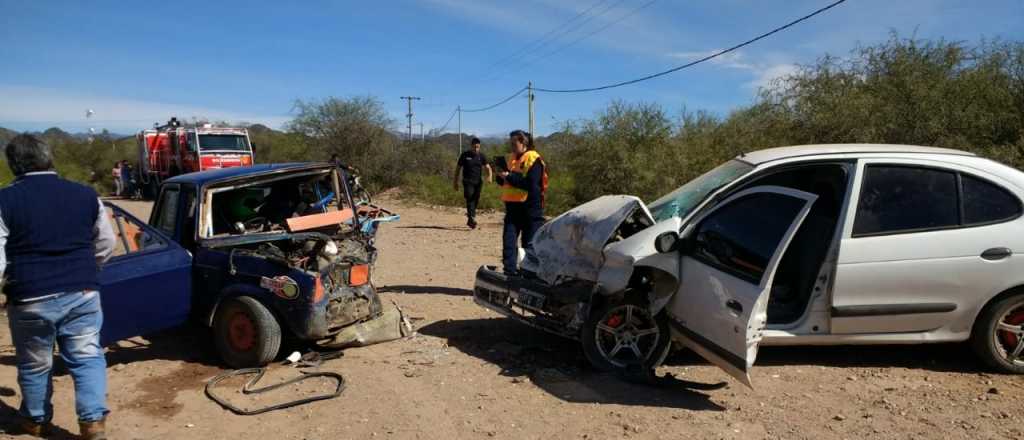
[(73, 320), (520, 225)]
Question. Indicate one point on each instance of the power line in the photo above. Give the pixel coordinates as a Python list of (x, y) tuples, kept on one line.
[(501, 73), (584, 37), (448, 122), (547, 34), (483, 109), (694, 63)]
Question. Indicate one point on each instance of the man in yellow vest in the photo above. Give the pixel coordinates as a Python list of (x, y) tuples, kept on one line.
[(522, 189)]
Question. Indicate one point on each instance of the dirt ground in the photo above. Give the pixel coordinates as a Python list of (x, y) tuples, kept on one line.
[(471, 374)]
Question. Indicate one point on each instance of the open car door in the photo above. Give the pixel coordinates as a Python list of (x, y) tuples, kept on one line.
[(147, 285), (728, 262)]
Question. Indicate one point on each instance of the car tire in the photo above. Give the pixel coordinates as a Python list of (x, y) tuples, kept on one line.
[(599, 337), (246, 333), (999, 331)]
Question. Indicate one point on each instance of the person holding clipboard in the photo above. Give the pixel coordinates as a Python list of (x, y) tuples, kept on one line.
[(523, 178)]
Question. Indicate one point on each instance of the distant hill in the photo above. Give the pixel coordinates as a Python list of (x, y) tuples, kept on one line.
[(6, 135)]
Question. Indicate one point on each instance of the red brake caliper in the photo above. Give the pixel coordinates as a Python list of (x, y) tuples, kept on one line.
[(1015, 318), (614, 321)]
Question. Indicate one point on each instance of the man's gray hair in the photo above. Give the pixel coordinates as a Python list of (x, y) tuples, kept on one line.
[(27, 154)]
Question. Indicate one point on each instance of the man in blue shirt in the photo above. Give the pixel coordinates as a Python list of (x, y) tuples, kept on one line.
[(471, 163), (54, 235)]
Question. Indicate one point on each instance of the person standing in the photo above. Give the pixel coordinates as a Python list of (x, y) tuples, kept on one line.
[(523, 186), (116, 173), (472, 163), (50, 266)]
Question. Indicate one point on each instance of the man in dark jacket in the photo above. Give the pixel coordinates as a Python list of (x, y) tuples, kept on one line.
[(50, 265), (472, 163)]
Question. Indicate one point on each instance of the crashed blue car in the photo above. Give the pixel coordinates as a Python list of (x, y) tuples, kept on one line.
[(257, 254)]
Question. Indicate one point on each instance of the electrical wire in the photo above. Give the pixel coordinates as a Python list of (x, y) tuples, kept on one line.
[(696, 62), (584, 37), (448, 122), (483, 109), (547, 34)]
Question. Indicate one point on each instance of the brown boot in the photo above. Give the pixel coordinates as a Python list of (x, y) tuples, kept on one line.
[(93, 430), (34, 429)]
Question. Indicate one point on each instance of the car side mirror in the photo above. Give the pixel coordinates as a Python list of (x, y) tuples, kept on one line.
[(667, 242)]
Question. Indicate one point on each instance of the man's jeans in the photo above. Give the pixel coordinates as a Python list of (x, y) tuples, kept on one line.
[(74, 321)]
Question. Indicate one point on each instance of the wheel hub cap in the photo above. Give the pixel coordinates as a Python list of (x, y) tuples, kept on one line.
[(241, 332)]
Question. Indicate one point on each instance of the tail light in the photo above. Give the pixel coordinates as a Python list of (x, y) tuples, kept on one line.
[(359, 275), (318, 290), (246, 160)]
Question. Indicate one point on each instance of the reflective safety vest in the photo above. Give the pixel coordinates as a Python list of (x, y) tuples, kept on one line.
[(522, 165)]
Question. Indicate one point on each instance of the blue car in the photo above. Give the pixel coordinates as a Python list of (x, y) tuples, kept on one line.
[(256, 253)]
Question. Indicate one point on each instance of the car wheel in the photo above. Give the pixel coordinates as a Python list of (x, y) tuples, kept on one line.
[(246, 333), (998, 336), (622, 334)]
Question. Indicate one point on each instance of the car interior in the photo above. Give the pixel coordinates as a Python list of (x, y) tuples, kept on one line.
[(267, 206), (795, 277)]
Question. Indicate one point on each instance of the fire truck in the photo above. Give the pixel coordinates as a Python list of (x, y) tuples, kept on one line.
[(171, 149)]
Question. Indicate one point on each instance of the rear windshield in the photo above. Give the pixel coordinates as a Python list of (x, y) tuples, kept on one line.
[(224, 142)]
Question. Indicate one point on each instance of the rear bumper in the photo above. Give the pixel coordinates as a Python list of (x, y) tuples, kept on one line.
[(516, 298)]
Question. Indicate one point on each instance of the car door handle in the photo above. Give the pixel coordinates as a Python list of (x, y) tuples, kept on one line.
[(735, 306), (996, 253)]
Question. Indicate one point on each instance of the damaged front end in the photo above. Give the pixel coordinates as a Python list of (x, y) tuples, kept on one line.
[(305, 253), (591, 251)]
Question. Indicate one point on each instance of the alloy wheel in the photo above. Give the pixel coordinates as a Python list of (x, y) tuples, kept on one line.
[(627, 334)]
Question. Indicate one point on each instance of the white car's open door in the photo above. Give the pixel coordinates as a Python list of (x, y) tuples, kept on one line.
[(728, 262)]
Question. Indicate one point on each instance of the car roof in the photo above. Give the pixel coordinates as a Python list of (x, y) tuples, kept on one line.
[(201, 178), (773, 154)]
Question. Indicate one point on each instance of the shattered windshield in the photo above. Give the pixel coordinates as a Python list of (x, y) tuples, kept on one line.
[(684, 199)]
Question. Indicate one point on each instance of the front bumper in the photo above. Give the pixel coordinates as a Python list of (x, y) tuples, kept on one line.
[(517, 298)]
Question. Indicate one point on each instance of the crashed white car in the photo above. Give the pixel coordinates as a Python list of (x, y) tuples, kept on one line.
[(809, 245)]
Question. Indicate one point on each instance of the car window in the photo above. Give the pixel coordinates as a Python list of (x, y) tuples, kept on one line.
[(168, 206), (904, 199), (741, 237), (130, 235), (985, 202)]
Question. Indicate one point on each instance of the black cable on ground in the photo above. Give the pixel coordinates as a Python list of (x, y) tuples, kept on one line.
[(249, 387)]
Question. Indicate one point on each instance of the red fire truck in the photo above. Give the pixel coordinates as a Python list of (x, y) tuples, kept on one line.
[(171, 149)]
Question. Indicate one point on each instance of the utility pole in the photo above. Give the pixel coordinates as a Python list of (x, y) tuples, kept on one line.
[(459, 110), (409, 115), (529, 96)]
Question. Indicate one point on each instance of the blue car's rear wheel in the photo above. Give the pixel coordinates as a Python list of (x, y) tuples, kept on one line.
[(246, 333)]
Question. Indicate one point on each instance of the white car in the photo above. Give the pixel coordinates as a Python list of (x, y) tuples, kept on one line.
[(808, 245)]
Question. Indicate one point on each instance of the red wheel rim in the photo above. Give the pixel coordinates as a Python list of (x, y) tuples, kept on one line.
[(1010, 339), (241, 332)]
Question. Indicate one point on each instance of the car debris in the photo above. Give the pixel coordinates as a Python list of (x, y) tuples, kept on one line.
[(259, 253)]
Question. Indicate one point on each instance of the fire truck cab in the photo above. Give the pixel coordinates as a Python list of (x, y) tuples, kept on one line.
[(172, 149)]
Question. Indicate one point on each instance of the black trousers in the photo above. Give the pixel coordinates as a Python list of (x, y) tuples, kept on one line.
[(471, 191)]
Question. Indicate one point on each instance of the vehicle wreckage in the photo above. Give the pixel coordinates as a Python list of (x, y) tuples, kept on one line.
[(257, 253), (808, 245)]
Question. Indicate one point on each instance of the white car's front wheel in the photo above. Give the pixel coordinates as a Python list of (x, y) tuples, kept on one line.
[(998, 336)]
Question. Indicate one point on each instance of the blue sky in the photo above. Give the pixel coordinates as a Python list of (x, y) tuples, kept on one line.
[(135, 63)]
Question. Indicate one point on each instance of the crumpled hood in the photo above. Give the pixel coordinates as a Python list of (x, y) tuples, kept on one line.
[(572, 244)]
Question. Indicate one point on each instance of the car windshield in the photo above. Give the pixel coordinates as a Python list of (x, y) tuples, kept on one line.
[(683, 200), (232, 142)]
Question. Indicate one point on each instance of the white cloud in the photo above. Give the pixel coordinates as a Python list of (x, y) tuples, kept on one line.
[(766, 75), (764, 72), (32, 108)]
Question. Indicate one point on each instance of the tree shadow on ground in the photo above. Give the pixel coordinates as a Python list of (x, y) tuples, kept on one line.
[(557, 366), (425, 289)]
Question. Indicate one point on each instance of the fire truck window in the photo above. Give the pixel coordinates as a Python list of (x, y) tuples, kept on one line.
[(223, 142), (191, 143)]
